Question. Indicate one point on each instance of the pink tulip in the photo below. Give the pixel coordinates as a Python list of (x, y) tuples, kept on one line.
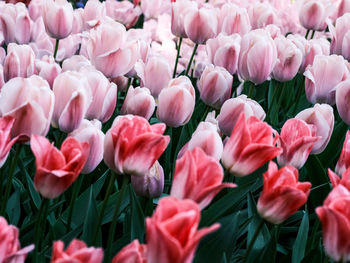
[(313, 48), (35, 9), (109, 51), (282, 193), (296, 139), (198, 177), (344, 159), (289, 59), (340, 44), (58, 18), (232, 109), (257, 49), (343, 7), (151, 184), (176, 102), (121, 82), (68, 47), (224, 50), (6, 143), (2, 78), (47, 68), (343, 179), (30, 101), (10, 248), (73, 98), (251, 145), (138, 101), (132, 145), (2, 55), (262, 14), (172, 230), (342, 100), (75, 63), (57, 169), (322, 118), (78, 21), (321, 78), (76, 252), (178, 12), (335, 220), (313, 15), (94, 12), (215, 85), (90, 131), (19, 62), (233, 19), (124, 12), (132, 253)]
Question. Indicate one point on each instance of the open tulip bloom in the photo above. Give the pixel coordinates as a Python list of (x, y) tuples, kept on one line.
[(174, 131)]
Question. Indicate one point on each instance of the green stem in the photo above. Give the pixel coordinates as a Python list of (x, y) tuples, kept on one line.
[(299, 93), (56, 49), (9, 179), (40, 226), (307, 33), (272, 101), (251, 244), (115, 217), (177, 56), (76, 189), (251, 88), (104, 205), (191, 59), (313, 33)]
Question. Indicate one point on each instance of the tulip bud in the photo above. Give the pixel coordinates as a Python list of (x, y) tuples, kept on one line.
[(313, 15), (261, 15), (340, 44), (75, 63), (178, 12), (176, 102), (233, 19)]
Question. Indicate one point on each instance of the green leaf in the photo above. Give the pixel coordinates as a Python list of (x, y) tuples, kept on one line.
[(269, 252), (301, 240), (13, 208), (33, 193), (90, 219), (137, 218)]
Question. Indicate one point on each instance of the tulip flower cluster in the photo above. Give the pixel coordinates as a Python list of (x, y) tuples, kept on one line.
[(151, 131)]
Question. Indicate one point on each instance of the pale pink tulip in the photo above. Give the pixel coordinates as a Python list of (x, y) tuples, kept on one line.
[(47, 68), (6, 143), (233, 19), (124, 12), (340, 44), (178, 12), (313, 14), (75, 62), (344, 159), (94, 12), (262, 14)]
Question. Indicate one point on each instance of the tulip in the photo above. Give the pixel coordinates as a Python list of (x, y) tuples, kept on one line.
[(19, 61), (342, 100), (2, 78), (134, 252), (321, 78), (151, 8), (343, 7), (6, 143), (320, 116), (138, 101), (30, 101), (132, 145), (231, 110), (335, 220), (2, 55), (289, 59), (58, 18), (282, 194), (343, 180), (262, 14), (215, 85), (10, 249), (94, 12), (73, 98), (251, 145), (313, 48), (151, 184), (176, 102), (178, 12), (224, 50), (75, 63), (344, 159), (35, 9), (257, 49), (76, 252), (172, 230), (313, 15), (47, 68), (296, 139), (124, 12), (341, 36), (198, 177), (90, 131), (57, 169), (233, 19)]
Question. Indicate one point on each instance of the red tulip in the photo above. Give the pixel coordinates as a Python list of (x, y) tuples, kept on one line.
[(252, 144), (132, 253), (57, 169), (132, 145), (343, 180), (198, 177), (6, 143), (282, 194), (76, 252), (344, 159), (172, 235)]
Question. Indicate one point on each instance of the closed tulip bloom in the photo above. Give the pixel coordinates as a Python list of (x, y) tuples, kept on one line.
[(10, 248), (233, 19), (343, 7), (289, 59), (178, 12), (251, 145), (335, 220), (344, 159), (224, 50), (215, 85), (30, 101), (35, 8), (282, 193), (342, 100), (19, 62), (132, 145), (262, 14), (296, 139), (176, 102), (313, 14), (76, 252), (322, 118), (132, 253), (172, 230), (138, 101), (257, 49), (73, 98), (2, 79), (6, 143), (75, 63), (90, 131), (200, 24), (322, 77), (124, 12), (151, 184), (232, 109), (313, 48), (58, 18), (47, 68), (57, 169), (198, 177), (343, 178), (93, 13), (340, 44)]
